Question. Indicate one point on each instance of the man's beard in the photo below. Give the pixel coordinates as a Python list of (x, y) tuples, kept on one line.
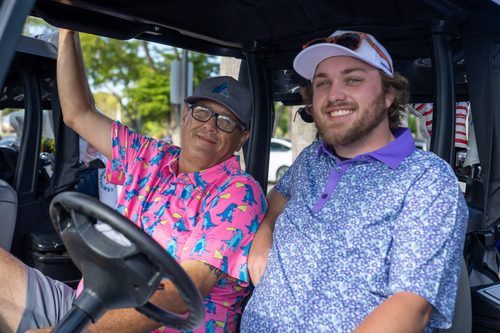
[(375, 113)]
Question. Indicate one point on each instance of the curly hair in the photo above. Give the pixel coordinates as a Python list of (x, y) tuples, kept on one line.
[(397, 85)]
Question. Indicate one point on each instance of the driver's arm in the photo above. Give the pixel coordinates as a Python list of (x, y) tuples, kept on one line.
[(259, 250), (402, 312), (204, 277), (77, 102)]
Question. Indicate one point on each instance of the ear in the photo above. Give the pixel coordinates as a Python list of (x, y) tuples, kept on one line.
[(389, 98), (184, 116), (241, 139)]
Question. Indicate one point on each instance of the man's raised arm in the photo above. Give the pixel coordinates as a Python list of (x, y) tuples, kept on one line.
[(77, 102), (259, 250)]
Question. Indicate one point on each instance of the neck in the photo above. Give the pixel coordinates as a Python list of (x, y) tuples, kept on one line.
[(190, 164)]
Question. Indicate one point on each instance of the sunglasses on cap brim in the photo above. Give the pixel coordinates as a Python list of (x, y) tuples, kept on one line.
[(351, 41)]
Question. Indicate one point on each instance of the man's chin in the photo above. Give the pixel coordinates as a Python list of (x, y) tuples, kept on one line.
[(334, 138)]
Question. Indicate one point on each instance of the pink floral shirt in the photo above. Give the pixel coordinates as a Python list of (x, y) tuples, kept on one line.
[(211, 215)]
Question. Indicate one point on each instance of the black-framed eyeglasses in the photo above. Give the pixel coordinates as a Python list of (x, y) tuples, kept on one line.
[(223, 122)]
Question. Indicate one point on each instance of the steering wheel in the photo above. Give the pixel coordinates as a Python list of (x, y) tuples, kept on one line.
[(118, 276)]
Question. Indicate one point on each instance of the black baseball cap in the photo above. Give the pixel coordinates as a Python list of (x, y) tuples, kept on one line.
[(228, 92)]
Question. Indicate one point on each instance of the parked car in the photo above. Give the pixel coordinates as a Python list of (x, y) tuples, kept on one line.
[(280, 159), (446, 48)]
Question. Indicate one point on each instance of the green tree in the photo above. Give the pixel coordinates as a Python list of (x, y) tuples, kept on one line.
[(36, 26), (149, 98), (412, 124), (107, 103), (112, 64), (136, 73), (145, 97), (281, 120)]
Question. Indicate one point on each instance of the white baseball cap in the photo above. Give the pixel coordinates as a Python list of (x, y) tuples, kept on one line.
[(306, 62)]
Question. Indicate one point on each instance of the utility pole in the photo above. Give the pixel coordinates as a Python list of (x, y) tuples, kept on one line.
[(181, 85)]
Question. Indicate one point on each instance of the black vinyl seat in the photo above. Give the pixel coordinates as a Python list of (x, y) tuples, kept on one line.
[(8, 209)]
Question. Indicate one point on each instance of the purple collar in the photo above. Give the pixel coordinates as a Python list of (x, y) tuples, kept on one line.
[(391, 154)]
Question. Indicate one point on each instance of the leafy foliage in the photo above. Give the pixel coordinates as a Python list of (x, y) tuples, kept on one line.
[(412, 124), (143, 71), (110, 61), (281, 121), (107, 103), (136, 73), (36, 26)]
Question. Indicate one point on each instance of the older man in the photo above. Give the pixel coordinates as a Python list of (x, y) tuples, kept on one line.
[(370, 230), (194, 201)]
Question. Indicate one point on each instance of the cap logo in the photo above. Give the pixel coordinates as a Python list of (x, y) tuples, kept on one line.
[(384, 64), (222, 90)]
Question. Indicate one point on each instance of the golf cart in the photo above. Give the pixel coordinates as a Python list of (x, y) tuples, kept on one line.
[(448, 49)]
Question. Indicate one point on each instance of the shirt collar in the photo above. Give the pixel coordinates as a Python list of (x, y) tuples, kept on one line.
[(174, 164), (325, 148), (391, 154)]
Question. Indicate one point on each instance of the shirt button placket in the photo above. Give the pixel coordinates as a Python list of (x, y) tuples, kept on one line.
[(339, 169)]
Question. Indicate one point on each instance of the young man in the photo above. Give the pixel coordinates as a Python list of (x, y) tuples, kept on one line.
[(195, 202), (372, 233)]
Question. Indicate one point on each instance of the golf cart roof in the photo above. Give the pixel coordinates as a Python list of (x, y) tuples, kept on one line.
[(229, 28), (278, 29)]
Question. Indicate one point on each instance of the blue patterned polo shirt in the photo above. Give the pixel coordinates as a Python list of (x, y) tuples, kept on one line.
[(355, 232)]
